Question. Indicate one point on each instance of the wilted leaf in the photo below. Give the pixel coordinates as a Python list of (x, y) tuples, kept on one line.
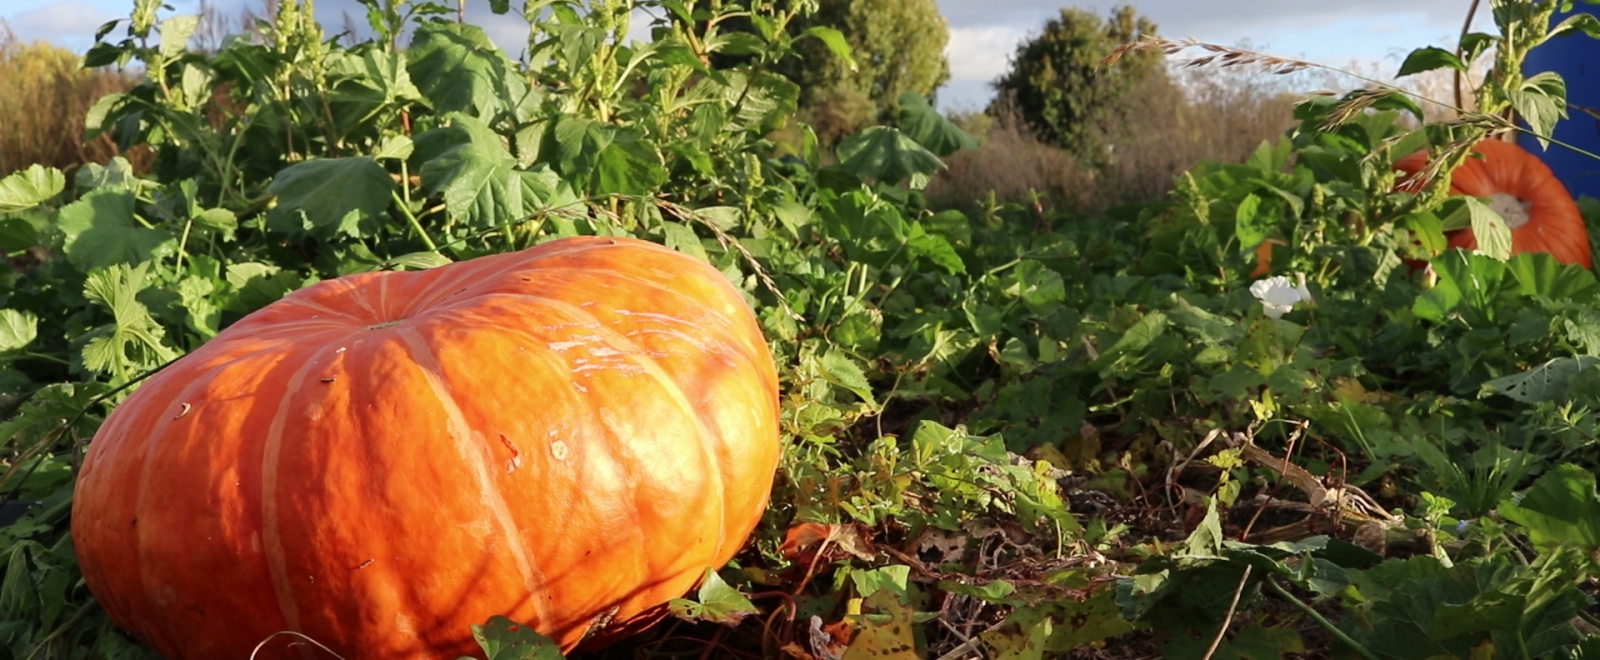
[(1546, 382), (717, 603), (890, 639), (803, 541)]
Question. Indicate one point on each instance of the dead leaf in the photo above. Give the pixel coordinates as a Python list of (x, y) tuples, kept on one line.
[(950, 546), (805, 540), (893, 639), (830, 641)]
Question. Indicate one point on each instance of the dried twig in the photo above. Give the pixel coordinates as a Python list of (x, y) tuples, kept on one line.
[(1227, 619)]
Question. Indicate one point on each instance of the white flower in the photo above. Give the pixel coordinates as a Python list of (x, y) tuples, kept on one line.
[(1278, 295)]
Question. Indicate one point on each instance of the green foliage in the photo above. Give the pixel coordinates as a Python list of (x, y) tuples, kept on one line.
[(504, 639), (894, 47), (1058, 84)]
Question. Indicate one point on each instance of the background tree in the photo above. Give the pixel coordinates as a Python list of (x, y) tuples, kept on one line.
[(1056, 84), (898, 46)]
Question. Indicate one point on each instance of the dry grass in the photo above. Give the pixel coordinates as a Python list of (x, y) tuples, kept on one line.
[(1167, 126), (1218, 106), (44, 96)]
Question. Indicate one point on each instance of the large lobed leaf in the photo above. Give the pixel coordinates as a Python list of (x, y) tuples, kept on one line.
[(331, 198), (479, 179)]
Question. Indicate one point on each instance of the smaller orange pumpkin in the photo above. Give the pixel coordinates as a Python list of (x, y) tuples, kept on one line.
[(1523, 190), (1264, 257)]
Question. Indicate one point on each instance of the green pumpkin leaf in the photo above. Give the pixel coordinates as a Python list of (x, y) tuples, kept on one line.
[(924, 124), (479, 180), (133, 342), (1561, 507), (25, 189), (16, 235), (1429, 59), (1539, 274), (1494, 236), (100, 230), (17, 329), (504, 639), (458, 68), (885, 154), (330, 198), (117, 174)]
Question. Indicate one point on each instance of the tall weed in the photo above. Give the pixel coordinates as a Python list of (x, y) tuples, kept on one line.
[(44, 95)]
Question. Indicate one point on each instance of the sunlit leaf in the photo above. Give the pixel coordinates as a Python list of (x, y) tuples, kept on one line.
[(101, 230), (27, 188)]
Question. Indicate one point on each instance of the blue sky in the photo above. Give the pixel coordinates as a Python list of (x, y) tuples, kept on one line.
[(983, 32)]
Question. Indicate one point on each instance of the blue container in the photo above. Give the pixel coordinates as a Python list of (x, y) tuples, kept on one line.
[(1577, 58)]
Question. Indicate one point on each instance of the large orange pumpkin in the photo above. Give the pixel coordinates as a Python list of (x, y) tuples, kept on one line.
[(1539, 210), (569, 436)]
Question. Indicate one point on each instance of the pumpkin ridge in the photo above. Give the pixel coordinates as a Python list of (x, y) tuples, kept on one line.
[(320, 310), (630, 278), (161, 430), (356, 295), (463, 276), (164, 423), (731, 332), (271, 537), (638, 355), (641, 357), (533, 577)]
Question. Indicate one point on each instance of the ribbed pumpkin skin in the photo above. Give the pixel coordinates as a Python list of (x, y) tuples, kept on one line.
[(1554, 223), (382, 460)]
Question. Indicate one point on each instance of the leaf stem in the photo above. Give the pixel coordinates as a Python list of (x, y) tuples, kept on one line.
[(1321, 620), (43, 356), (412, 220)]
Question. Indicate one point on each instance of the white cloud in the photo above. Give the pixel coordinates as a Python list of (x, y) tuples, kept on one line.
[(982, 53), (69, 23), (977, 56)]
